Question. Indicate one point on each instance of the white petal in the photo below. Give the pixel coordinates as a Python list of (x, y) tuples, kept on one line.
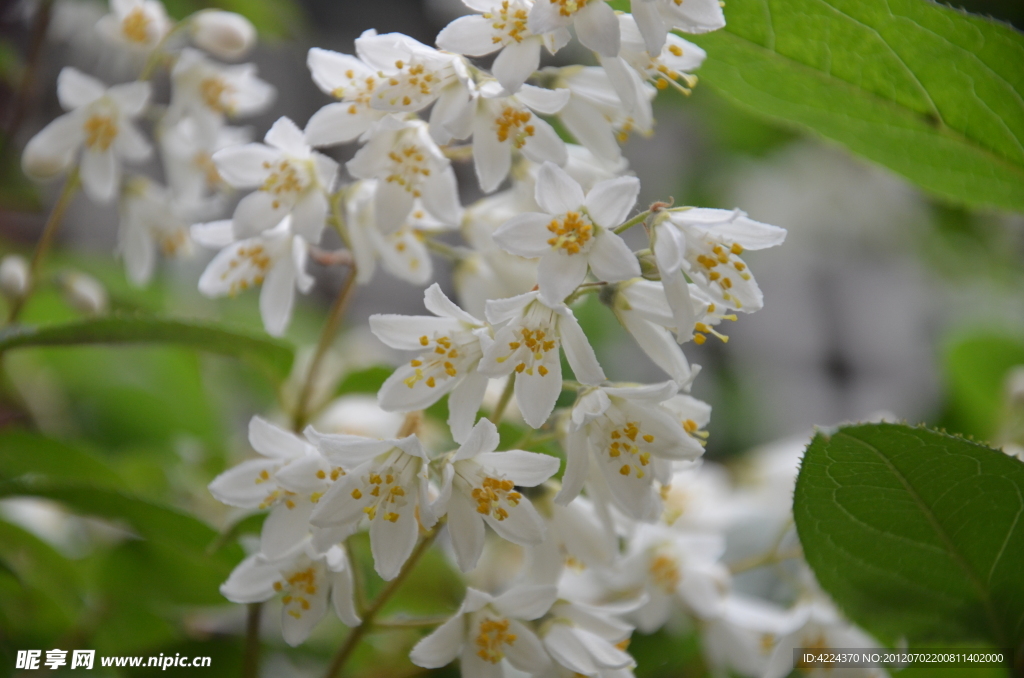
[(608, 202), (577, 462), (243, 166), (76, 89), (660, 347), (328, 69), (405, 332), (393, 542), (696, 16), (441, 196), (438, 303), (526, 602), (442, 646), (213, 233), (343, 597), (598, 28), (286, 136), (309, 216), (392, 205), (603, 652), (339, 123), (469, 35), (251, 582), (466, 528), (285, 529), (502, 310), (527, 469), (131, 97), (611, 259), (464, 402), (542, 100), (523, 525), (274, 442), (578, 350), (525, 235), (677, 293), (568, 651), (278, 296), (527, 653), (588, 407), (536, 394), (560, 274), (243, 485), (347, 450), (557, 192), (472, 666), (590, 128), (669, 246), (516, 63), (52, 149), (648, 20), (452, 115), (295, 630), (545, 145), (139, 252), (130, 144), (492, 158), (483, 438), (257, 212), (101, 175)]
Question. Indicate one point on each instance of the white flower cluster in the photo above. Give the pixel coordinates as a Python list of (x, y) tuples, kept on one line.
[(605, 548)]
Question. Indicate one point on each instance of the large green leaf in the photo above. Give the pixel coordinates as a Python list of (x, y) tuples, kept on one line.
[(26, 454), (273, 356), (915, 533), (933, 93)]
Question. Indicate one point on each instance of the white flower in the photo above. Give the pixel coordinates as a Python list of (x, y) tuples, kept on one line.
[(656, 17), (675, 569), (138, 25), (706, 244), (151, 219), (412, 75), (275, 259), (224, 34), (450, 345), (387, 483), (631, 438), (187, 154), (574, 232), (480, 487), (290, 178), (641, 307), (528, 344), (595, 22), (14, 276), (502, 26), (402, 253), (306, 579), (289, 478), (211, 92), (503, 122), (741, 637), (99, 119), (352, 83), (487, 630), (585, 638), (409, 165), (575, 534)]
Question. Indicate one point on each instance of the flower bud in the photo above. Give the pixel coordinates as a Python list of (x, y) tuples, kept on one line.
[(223, 34), (13, 276), (85, 293)]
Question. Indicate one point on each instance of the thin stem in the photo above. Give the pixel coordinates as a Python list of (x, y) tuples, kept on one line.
[(330, 329), (633, 222), (584, 289), (506, 396), (352, 641), (251, 657), (46, 241)]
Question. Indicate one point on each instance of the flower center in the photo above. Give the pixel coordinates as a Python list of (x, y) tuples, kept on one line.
[(214, 92), (491, 636), (570, 233), (510, 21), (408, 167), (491, 493), (535, 344), (624, 441), (512, 123), (385, 491), (204, 163), (100, 131), (716, 255), (570, 7), (135, 26), (284, 179), (173, 242), (256, 256), (665, 573), (300, 584), (411, 81), (440, 363)]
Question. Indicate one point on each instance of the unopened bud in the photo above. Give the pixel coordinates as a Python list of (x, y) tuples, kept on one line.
[(13, 276), (85, 293), (223, 34)]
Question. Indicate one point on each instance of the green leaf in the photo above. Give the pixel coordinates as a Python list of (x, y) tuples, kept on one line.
[(916, 533), (933, 93), (976, 369), (275, 357), (25, 454)]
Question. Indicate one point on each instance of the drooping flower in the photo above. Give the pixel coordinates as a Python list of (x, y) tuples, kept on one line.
[(412, 75), (387, 483), (290, 178), (502, 26), (99, 121), (305, 579), (528, 345), (289, 478), (594, 21), (574, 232), (626, 432), (451, 343), (655, 18), (479, 487), (226, 35), (137, 25), (352, 83), (211, 92), (642, 308), (187, 152), (275, 259), (487, 630), (586, 638)]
